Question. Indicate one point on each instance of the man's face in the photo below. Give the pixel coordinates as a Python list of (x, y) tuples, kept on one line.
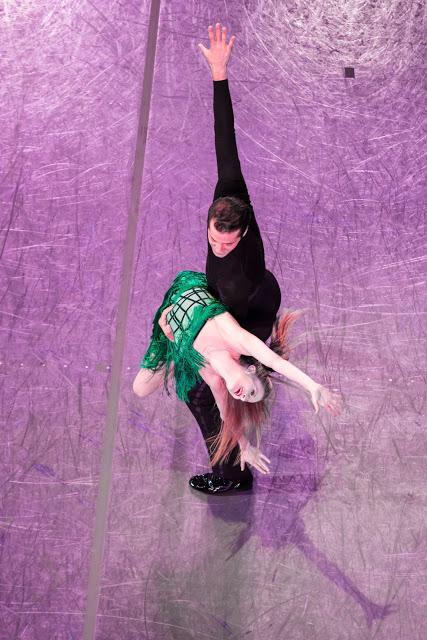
[(222, 242)]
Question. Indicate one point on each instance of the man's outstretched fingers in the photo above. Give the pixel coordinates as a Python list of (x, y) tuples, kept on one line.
[(203, 49), (211, 35)]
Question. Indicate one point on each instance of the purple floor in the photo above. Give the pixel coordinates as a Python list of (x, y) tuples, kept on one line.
[(332, 544)]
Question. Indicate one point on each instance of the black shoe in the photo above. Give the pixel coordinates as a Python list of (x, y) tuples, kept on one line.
[(213, 484)]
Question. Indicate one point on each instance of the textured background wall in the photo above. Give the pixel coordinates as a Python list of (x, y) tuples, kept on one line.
[(335, 170)]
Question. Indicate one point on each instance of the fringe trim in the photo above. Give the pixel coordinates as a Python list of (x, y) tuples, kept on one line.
[(186, 360)]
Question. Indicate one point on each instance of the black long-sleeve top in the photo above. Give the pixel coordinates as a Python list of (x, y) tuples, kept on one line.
[(236, 277)]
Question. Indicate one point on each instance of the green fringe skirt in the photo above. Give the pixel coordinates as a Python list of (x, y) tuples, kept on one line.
[(193, 305)]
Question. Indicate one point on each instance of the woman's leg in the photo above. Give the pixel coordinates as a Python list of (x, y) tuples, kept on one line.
[(148, 381)]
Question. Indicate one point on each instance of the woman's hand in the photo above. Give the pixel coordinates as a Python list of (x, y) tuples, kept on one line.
[(219, 52), (251, 455), (164, 325), (329, 400)]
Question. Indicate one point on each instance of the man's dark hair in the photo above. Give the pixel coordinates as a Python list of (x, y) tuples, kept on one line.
[(229, 214)]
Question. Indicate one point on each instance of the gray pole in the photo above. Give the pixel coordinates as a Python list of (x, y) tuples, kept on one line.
[(104, 487)]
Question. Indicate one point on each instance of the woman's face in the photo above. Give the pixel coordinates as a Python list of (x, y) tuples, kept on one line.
[(248, 386)]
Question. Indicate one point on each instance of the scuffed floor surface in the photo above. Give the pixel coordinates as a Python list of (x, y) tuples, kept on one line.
[(332, 544)]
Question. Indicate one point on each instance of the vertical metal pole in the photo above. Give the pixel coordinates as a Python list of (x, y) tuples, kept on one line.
[(104, 487)]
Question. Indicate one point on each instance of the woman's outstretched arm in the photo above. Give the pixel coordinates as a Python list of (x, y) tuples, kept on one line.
[(248, 344)]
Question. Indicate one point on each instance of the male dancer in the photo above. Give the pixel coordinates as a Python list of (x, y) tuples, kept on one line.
[(235, 266)]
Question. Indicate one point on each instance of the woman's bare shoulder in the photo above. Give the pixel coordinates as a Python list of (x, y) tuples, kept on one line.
[(226, 321)]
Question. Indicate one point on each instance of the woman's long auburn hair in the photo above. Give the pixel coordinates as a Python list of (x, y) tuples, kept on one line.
[(249, 417)]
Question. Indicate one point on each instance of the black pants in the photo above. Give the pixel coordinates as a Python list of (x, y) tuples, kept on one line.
[(202, 406)]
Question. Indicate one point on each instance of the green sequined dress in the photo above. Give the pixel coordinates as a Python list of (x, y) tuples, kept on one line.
[(193, 305)]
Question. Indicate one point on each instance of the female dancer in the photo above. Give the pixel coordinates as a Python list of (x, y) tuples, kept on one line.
[(195, 334)]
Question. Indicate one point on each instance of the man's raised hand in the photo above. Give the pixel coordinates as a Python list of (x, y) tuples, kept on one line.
[(219, 52)]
